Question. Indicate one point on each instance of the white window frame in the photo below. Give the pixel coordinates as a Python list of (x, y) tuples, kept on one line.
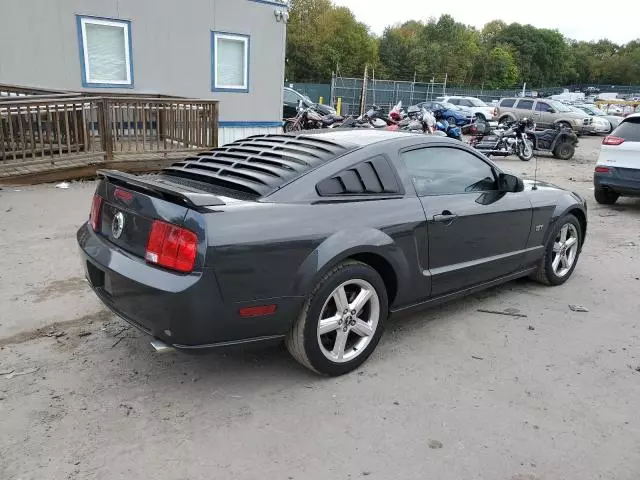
[(215, 87), (87, 79)]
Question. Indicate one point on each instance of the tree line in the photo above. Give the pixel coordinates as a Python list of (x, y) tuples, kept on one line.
[(323, 38)]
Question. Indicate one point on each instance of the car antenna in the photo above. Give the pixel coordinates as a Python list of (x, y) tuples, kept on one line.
[(535, 174)]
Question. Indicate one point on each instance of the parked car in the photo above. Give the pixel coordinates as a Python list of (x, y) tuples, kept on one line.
[(600, 125), (595, 112), (618, 168), (453, 114), (545, 113), (292, 99), (476, 106), (316, 237)]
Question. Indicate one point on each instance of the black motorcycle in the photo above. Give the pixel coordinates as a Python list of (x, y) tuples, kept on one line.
[(308, 118), (510, 139)]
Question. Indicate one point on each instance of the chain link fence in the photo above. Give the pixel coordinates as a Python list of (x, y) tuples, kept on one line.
[(387, 93)]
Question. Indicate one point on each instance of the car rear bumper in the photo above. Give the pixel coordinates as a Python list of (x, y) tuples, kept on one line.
[(613, 181), (184, 311)]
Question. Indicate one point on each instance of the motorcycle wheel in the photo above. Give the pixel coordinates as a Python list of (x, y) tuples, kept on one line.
[(525, 152), (291, 127)]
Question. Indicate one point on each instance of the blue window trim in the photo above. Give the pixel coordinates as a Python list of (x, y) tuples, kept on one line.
[(213, 62), (83, 69), (272, 3), (250, 124)]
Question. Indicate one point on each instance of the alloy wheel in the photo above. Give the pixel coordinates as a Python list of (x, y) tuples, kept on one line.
[(348, 320), (565, 250)]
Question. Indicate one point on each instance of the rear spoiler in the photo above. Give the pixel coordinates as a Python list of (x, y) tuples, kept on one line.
[(191, 197)]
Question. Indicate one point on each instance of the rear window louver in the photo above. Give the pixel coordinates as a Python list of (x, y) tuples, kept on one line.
[(374, 176), (258, 165)]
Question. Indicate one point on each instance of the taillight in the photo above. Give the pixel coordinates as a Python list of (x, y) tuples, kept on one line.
[(171, 247), (602, 170), (612, 140), (94, 214)]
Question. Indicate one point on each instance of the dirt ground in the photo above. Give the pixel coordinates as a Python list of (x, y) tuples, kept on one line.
[(450, 393)]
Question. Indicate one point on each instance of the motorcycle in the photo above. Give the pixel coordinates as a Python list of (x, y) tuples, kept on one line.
[(308, 118), (510, 139), (451, 130)]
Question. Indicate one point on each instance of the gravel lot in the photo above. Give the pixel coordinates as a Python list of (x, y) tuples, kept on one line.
[(451, 393)]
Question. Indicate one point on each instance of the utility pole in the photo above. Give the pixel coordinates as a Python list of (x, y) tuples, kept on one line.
[(363, 97)]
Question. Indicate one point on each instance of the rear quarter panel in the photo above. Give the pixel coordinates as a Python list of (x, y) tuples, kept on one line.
[(273, 250)]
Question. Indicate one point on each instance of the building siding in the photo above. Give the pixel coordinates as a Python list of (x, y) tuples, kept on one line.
[(171, 44)]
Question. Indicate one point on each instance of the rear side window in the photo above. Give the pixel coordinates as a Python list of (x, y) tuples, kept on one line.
[(525, 105), (454, 101), (629, 129), (371, 177), (507, 102)]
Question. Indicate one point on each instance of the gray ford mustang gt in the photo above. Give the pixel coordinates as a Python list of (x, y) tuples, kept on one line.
[(316, 238)]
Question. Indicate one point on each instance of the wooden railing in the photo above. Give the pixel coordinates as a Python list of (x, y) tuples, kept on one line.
[(49, 127), (7, 90)]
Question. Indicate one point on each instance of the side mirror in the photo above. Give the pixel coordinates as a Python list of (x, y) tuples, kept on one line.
[(510, 183)]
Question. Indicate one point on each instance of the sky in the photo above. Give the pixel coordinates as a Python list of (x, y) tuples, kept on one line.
[(580, 20)]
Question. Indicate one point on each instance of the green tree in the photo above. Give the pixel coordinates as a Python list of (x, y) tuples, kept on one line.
[(500, 69), (321, 36)]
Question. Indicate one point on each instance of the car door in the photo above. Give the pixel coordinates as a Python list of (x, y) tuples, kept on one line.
[(524, 108), (290, 103), (476, 233), (543, 114)]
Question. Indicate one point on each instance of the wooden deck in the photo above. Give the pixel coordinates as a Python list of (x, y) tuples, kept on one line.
[(66, 135)]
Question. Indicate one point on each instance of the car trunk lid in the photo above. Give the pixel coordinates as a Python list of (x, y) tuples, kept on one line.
[(131, 204)]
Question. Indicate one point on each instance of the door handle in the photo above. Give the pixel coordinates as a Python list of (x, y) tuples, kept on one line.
[(445, 217)]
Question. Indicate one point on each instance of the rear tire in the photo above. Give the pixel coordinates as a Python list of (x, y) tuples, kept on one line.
[(605, 197), (321, 352), (452, 121), (564, 151), (550, 271)]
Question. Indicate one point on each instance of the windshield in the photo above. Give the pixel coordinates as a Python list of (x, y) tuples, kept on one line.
[(594, 111), (559, 107), (477, 102)]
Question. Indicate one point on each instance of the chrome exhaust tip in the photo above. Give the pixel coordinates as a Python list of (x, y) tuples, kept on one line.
[(161, 347)]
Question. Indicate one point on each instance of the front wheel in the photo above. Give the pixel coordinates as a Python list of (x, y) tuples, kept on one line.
[(291, 126), (561, 252), (525, 150), (341, 321), (452, 121)]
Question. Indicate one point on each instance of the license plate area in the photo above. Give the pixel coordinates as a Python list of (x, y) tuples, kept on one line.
[(629, 173)]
